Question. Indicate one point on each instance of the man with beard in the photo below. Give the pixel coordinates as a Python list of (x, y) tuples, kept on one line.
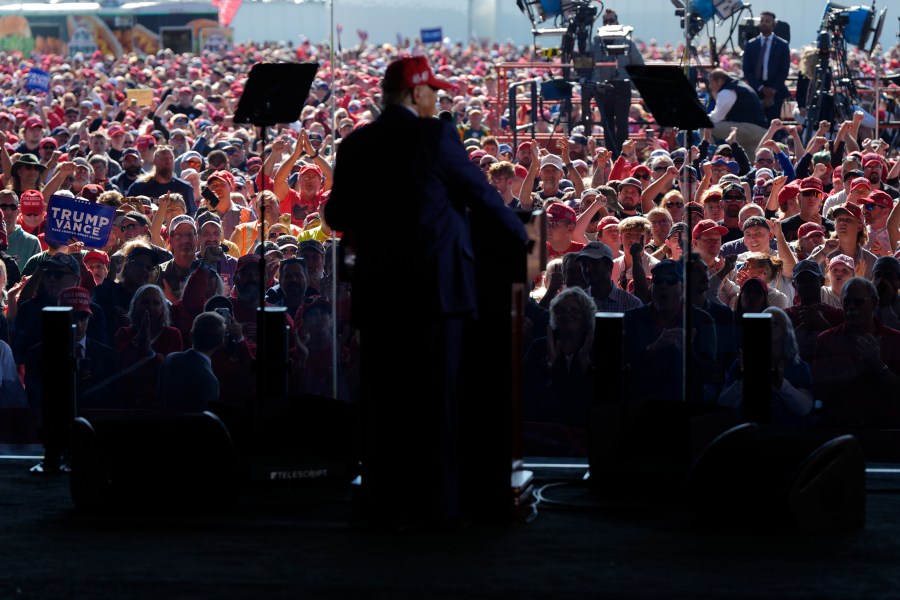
[(876, 170), (734, 198), (211, 235), (292, 286), (132, 166), (162, 180), (178, 140), (183, 244), (629, 197)]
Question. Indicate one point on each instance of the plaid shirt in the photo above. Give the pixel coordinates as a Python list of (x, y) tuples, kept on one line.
[(618, 301)]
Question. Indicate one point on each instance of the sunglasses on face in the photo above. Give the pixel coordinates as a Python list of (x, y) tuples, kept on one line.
[(871, 207), (765, 160), (809, 194), (733, 198), (675, 205), (9, 207), (48, 147)]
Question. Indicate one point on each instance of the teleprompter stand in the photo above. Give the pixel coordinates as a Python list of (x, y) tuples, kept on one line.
[(275, 93)]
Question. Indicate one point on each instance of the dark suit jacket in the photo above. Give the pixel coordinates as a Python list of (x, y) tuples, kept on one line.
[(187, 382), (404, 190), (779, 64)]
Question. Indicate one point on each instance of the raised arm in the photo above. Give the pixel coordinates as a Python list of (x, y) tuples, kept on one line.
[(281, 176)]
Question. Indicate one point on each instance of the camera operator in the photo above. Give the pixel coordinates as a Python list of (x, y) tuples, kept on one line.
[(613, 94)]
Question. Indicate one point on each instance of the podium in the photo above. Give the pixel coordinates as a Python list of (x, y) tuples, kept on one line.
[(495, 485)]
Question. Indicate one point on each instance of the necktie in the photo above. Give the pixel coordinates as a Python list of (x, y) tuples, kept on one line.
[(79, 351), (760, 70)]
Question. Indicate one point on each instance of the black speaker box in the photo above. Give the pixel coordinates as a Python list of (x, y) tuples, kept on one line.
[(166, 462), (753, 479)]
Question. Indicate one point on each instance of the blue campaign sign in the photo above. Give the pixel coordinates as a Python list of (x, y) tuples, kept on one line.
[(429, 36), (38, 80), (73, 218)]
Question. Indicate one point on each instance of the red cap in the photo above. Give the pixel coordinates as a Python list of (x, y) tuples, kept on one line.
[(560, 212), (408, 72), (91, 192), (33, 122), (642, 169), (144, 141), (115, 130), (31, 202), (76, 297), (50, 141), (811, 184), (247, 260), (851, 209), (521, 171), (788, 192), (808, 229), (223, 175), (858, 182), (97, 255), (879, 198), (707, 225), (309, 167), (609, 221)]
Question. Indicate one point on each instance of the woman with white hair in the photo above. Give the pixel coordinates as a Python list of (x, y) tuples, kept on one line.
[(792, 383), (558, 378)]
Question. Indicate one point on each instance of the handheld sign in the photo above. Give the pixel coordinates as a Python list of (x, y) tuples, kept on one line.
[(72, 218), (430, 36), (37, 80), (144, 96)]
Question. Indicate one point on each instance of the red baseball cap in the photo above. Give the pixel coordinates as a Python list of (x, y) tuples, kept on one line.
[(50, 141), (115, 130), (808, 229), (33, 122), (144, 141), (96, 255), (309, 167), (879, 198), (609, 221), (31, 202), (76, 297), (408, 72), (223, 175), (813, 184), (859, 182), (560, 212), (91, 192), (707, 225), (642, 169), (851, 209), (247, 260)]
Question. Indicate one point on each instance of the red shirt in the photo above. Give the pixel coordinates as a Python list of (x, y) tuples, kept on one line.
[(553, 254)]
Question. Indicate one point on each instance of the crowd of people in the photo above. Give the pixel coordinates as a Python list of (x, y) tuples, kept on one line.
[(807, 232)]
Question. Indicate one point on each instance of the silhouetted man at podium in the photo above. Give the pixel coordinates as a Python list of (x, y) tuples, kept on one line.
[(411, 339)]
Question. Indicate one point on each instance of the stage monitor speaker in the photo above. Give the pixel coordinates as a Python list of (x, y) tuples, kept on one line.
[(168, 463), (750, 479)]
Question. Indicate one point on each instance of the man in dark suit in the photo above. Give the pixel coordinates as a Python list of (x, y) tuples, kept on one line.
[(411, 339), (186, 379), (767, 59)]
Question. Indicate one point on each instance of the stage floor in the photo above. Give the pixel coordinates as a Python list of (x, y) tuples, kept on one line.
[(301, 543)]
